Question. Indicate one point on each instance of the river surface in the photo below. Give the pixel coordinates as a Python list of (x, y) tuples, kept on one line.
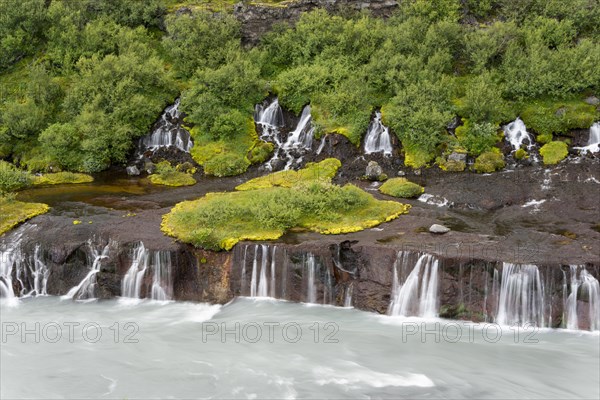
[(249, 348)]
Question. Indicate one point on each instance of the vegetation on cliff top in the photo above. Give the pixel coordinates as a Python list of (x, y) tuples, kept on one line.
[(83, 79), (218, 221)]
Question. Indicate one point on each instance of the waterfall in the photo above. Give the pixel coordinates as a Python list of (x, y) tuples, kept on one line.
[(593, 144), (86, 288), (168, 131), (311, 289), (263, 281), (582, 286), (378, 137), (418, 294), (33, 276), (161, 278), (10, 256), (348, 296), (302, 136), (270, 115), (132, 281), (521, 296), (516, 133)]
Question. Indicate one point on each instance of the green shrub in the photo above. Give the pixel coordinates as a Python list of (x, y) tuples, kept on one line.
[(401, 187), (554, 152), (167, 175), (489, 161), (261, 152), (227, 164), (12, 178), (477, 137)]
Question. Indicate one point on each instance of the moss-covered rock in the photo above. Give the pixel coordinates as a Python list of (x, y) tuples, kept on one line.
[(521, 154), (62, 177), (167, 175), (489, 161), (15, 212), (401, 187), (554, 152), (261, 152)]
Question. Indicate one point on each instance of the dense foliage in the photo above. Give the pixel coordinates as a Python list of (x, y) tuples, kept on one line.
[(81, 80)]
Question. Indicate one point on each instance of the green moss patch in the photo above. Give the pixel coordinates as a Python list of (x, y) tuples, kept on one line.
[(548, 116), (489, 161), (62, 177), (554, 152), (323, 171), (219, 220), (401, 187), (15, 212), (169, 176)]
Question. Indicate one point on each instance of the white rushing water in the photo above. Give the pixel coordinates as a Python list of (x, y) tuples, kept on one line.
[(169, 132), (378, 137), (185, 350), (521, 300), (143, 262), (10, 258), (418, 294), (593, 144), (583, 298), (263, 281), (311, 289), (516, 134), (288, 151), (302, 136), (86, 288)]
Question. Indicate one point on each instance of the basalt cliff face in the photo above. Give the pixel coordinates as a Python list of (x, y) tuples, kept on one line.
[(258, 19)]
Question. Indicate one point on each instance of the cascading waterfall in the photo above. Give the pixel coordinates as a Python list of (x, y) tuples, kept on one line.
[(418, 294), (34, 275), (311, 289), (263, 280), (270, 115), (521, 299), (161, 278), (302, 136), (593, 144), (378, 137), (516, 134), (169, 132), (132, 281), (10, 256), (348, 296), (86, 288), (582, 286)]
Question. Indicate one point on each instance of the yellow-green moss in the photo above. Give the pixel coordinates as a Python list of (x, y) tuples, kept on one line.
[(550, 116), (521, 154), (261, 152), (219, 220), (489, 161), (401, 187), (224, 157), (416, 158), (322, 171), (169, 176), (14, 212), (554, 152), (62, 177)]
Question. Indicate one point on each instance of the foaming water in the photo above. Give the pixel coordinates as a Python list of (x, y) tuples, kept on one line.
[(180, 350)]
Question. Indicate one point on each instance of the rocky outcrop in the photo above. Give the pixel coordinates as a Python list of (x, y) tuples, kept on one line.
[(257, 19)]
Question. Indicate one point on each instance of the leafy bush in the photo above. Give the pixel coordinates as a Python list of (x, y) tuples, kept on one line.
[(477, 137), (489, 161), (12, 178), (227, 164), (554, 152), (168, 175), (401, 187), (547, 116)]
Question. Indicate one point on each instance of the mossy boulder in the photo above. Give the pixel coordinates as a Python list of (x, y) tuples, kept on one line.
[(521, 154), (489, 161), (401, 187), (554, 152), (261, 152), (167, 175)]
